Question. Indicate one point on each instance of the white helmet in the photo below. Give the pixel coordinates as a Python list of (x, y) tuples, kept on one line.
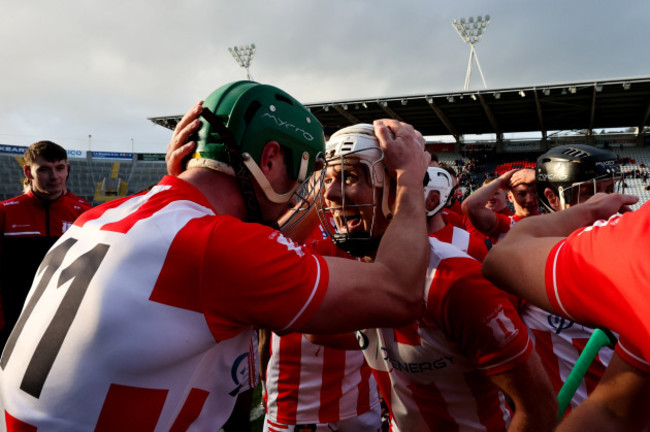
[(358, 141), (439, 180), (357, 144)]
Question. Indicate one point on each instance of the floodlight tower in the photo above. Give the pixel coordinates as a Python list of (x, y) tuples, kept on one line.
[(243, 55), (470, 31)]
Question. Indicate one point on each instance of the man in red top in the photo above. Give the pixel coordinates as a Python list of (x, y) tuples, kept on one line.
[(522, 193), (498, 203), (32, 222)]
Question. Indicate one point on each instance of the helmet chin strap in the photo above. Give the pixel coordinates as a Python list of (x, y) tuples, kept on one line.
[(242, 174), (560, 191)]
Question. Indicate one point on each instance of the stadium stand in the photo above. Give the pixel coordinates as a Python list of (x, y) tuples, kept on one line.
[(94, 180), (101, 180)]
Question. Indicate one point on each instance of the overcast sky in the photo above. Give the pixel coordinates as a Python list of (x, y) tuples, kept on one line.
[(74, 68)]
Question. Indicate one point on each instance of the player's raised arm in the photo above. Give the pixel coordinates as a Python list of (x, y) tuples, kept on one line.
[(473, 206)]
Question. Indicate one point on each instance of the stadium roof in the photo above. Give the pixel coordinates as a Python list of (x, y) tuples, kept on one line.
[(620, 103)]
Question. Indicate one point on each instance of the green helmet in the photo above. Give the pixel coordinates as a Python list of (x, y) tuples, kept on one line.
[(253, 115)]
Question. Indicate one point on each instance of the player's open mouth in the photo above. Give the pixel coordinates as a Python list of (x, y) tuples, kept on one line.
[(349, 222)]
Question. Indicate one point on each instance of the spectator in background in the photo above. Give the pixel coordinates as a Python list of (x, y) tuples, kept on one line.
[(32, 222)]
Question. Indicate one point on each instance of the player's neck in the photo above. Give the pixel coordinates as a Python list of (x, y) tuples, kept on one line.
[(435, 223), (221, 190)]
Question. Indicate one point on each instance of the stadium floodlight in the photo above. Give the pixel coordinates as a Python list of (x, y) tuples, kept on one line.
[(243, 55), (470, 31)]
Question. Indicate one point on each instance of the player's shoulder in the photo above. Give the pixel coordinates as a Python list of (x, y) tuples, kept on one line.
[(77, 200), (14, 202), (449, 265), (441, 250)]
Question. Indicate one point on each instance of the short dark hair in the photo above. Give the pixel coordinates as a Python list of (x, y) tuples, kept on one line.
[(50, 151)]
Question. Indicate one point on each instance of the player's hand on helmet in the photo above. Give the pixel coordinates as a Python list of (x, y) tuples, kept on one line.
[(403, 146), (178, 146), (603, 205), (522, 176)]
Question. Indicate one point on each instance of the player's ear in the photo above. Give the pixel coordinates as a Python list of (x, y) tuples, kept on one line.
[(431, 200), (28, 172), (552, 198), (270, 156)]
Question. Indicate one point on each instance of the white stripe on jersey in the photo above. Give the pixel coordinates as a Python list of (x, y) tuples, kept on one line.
[(439, 251), (555, 290), (460, 239), (311, 296)]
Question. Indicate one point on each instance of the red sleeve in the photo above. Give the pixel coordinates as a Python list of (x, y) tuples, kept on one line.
[(594, 277), (632, 355), (478, 316), (326, 247), (502, 226), (253, 274), (469, 227), (451, 217)]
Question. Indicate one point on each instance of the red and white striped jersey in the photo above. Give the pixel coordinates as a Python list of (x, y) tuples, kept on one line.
[(434, 373), (308, 383), (559, 342), (472, 245), (141, 316)]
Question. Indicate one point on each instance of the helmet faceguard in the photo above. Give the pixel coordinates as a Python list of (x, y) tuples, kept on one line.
[(353, 147), (438, 180), (572, 170), (239, 119)]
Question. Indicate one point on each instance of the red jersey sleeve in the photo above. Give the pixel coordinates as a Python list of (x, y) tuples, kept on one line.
[(595, 276), (253, 274), (478, 316), (326, 247), (451, 217), (502, 226), (632, 355)]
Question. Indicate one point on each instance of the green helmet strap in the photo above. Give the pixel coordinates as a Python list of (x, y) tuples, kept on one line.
[(253, 212)]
